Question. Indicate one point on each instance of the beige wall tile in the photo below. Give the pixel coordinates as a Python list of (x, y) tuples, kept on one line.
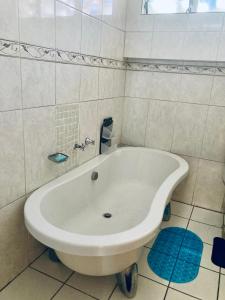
[(13, 246), (189, 129), (12, 174), (160, 125), (40, 141), (10, 92), (213, 147), (89, 83), (38, 83), (209, 191), (134, 121), (67, 83)]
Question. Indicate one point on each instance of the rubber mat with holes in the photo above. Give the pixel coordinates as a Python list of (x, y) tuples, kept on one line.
[(176, 255)]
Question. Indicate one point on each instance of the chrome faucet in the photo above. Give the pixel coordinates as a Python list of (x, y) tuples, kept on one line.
[(82, 146), (79, 147), (89, 141)]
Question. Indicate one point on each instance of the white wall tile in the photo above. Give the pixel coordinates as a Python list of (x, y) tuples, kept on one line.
[(9, 20), (167, 45), (106, 83), (68, 28), (185, 190), (37, 22), (160, 125), (119, 83), (134, 121), (218, 91), (214, 143), (164, 86), (91, 35), (67, 83), (13, 250), (221, 49), (200, 45), (88, 113), (10, 92), (138, 44), (135, 20), (189, 129), (89, 83), (39, 122), (171, 22), (93, 8), (38, 83), (138, 84), (205, 22), (12, 174), (74, 3), (196, 88), (112, 42), (114, 13), (209, 191)]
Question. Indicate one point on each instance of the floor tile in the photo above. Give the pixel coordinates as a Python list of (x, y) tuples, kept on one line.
[(197, 288), (175, 222), (147, 290), (175, 295), (68, 293), (181, 209), (145, 270), (208, 217), (205, 232), (54, 269), (222, 288), (29, 285), (223, 271), (99, 287), (206, 258)]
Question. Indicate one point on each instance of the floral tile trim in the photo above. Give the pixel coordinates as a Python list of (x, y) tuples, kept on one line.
[(23, 50)]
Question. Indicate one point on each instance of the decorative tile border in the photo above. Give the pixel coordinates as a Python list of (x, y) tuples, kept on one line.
[(14, 48), (185, 68)]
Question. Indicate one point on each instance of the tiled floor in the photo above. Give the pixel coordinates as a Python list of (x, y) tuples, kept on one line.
[(45, 280)]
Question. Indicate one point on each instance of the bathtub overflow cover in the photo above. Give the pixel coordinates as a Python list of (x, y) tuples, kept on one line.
[(107, 215)]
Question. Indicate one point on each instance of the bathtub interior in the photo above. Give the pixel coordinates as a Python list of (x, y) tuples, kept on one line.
[(127, 183)]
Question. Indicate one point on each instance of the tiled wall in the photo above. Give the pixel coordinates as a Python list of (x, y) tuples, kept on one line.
[(184, 114), (174, 36), (61, 73), (179, 106)]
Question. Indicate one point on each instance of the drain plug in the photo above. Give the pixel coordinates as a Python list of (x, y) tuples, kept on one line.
[(107, 215)]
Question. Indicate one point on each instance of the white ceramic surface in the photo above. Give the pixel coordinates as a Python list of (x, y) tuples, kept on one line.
[(67, 213)]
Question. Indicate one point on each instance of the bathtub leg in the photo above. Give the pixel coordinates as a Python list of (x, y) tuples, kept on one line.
[(52, 255), (127, 281), (167, 213)]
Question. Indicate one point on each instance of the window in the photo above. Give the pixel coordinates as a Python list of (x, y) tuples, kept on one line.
[(182, 6)]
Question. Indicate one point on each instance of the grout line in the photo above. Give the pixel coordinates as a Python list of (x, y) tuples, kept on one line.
[(81, 291), (141, 275), (52, 277), (61, 286), (14, 278), (185, 293), (206, 224), (114, 289), (218, 287)]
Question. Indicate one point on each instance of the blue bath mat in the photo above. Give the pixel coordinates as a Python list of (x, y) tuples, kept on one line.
[(176, 255), (218, 253)]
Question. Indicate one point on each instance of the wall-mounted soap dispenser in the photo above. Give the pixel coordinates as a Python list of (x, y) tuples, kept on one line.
[(106, 135)]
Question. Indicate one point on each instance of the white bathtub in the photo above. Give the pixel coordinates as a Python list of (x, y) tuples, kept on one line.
[(134, 185)]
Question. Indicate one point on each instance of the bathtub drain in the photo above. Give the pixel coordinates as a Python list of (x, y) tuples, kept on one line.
[(107, 215)]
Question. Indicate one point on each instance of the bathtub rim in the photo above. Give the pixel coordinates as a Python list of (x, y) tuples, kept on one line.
[(101, 245)]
